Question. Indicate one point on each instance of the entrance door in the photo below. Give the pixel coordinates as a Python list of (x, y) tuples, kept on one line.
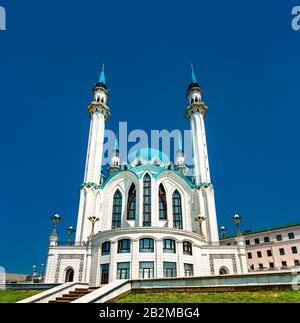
[(104, 274)]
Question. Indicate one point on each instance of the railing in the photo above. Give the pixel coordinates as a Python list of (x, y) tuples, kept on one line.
[(27, 286)]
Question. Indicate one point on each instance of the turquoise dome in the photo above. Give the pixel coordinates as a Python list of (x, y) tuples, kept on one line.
[(147, 154)]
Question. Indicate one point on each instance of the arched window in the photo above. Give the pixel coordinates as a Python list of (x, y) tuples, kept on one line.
[(117, 210), (169, 246), (223, 271), (147, 201), (105, 248), (187, 248), (124, 246), (146, 245), (69, 275), (131, 204), (162, 203), (177, 210)]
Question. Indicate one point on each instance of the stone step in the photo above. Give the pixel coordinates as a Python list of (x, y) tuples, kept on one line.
[(72, 298), (73, 295), (78, 293)]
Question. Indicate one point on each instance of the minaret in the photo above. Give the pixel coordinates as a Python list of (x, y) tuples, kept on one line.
[(99, 113), (89, 194), (195, 113)]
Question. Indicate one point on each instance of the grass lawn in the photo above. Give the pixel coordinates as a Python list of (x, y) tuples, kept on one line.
[(289, 296), (13, 296)]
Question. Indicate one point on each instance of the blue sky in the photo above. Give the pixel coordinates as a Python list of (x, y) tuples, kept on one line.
[(246, 57)]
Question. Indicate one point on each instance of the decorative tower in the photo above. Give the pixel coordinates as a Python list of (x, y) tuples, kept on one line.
[(195, 113), (180, 159), (115, 160), (99, 113)]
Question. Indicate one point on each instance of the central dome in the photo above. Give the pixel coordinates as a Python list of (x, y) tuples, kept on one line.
[(149, 155)]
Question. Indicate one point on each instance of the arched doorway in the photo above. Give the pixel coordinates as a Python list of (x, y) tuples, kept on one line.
[(69, 275), (223, 271)]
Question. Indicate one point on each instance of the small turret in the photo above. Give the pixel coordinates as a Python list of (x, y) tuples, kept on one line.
[(180, 159), (115, 160)]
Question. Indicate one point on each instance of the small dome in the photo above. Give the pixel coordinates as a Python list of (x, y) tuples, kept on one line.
[(193, 85), (101, 85), (149, 155)]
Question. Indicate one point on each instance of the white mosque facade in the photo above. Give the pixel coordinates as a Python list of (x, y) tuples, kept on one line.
[(150, 219)]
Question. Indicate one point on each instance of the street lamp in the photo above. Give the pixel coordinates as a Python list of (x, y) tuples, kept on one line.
[(223, 230), (33, 272), (70, 231), (55, 219), (42, 272), (237, 220), (200, 219), (93, 220)]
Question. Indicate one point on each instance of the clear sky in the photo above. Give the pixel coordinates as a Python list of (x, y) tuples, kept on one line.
[(246, 57)]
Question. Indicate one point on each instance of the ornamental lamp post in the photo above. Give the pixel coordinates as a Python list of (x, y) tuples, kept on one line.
[(55, 219), (42, 272), (93, 219), (200, 219), (70, 231), (33, 273), (237, 220), (223, 230)]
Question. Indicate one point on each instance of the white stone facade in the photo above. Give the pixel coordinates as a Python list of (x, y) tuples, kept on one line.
[(146, 213)]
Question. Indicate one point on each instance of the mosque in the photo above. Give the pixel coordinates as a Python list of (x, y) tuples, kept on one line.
[(148, 218)]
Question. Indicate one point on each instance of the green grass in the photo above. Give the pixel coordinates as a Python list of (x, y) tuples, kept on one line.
[(289, 296), (13, 296)]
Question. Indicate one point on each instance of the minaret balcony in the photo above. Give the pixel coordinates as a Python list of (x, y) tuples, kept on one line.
[(196, 107), (99, 107)]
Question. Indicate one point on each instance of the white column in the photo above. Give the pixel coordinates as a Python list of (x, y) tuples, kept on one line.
[(134, 265), (240, 241), (208, 200), (113, 262), (78, 238), (180, 262), (200, 148), (95, 148), (195, 151)]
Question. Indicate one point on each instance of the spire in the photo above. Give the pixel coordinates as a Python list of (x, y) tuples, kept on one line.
[(116, 144), (102, 75), (194, 78), (193, 87), (180, 144)]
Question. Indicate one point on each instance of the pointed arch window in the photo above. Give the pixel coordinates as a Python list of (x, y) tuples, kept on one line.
[(162, 203), (147, 201), (117, 210), (131, 204), (177, 210)]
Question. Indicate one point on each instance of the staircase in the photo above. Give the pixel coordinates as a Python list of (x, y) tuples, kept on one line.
[(72, 296)]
